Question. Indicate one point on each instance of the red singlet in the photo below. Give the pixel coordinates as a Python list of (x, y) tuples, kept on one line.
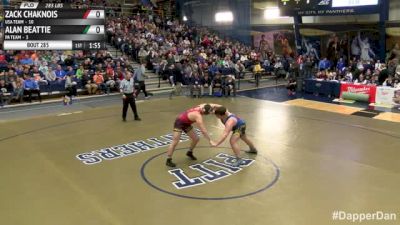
[(184, 117)]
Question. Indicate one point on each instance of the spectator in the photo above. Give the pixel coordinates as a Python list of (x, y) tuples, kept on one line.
[(322, 75), (308, 66), (88, 83), (31, 87), (361, 80), (279, 70), (19, 89), (374, 80), (11, 77), (229, 86), (38, 76), (348, 76), (155, 62), (195, 86), (70, 88), (6, 90), (44, 68), (98, 79), (212, 69), (60, 73), (98, 59), (206, 85), (341, 64), (50, 75), (110, 78), (79, 72), (120, 75), (291, 86), (26, 72), (389, 82), (396, 83), (397, 71), (217, 85), (69, 61), (332, 76), (378, 65), (300, 64), (176, 79), (139, 76), (143, 54), (26, 60), (257, 70), (239, 69), (383, 75), (324, 64)]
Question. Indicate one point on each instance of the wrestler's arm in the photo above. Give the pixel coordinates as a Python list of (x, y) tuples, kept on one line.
[(228, 128), (200, 124), (213, 106)]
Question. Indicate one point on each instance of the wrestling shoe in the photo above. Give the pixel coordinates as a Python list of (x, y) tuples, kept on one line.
[(190, 155), (252, 151), (170, 163), (237, 163)]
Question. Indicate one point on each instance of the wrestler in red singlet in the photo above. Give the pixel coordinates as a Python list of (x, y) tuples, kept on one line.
[(183, 123)]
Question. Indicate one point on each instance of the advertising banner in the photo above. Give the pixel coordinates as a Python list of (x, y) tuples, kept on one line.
[(359, 89), (387, 96)]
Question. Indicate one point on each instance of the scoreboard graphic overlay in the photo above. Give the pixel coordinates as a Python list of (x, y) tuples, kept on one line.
[(53, 26)]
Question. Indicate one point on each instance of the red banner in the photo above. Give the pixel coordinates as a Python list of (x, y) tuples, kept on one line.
[(359, 89)]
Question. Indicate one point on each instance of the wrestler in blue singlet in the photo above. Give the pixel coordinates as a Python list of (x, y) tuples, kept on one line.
[(240, 127)]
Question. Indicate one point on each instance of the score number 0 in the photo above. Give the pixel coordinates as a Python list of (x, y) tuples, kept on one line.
[(96, 14)]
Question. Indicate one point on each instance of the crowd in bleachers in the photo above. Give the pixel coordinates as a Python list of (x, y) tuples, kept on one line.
[(357, 71), (184, 55), (197, 57), (24, 73)]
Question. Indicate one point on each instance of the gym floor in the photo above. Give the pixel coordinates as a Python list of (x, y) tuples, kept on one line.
[(88, 167)]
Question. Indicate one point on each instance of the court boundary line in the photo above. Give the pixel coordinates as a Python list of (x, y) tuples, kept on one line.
[(268, 186), (303, 117)]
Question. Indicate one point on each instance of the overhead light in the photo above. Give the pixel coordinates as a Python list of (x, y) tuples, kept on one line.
[(224, 16), (185, 18), (272, 13)]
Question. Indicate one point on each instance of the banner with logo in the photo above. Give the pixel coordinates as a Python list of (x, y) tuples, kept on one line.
[(393, 41), (264, 40), (335, 46), (387, 96), (345, 41), (364, 45), (359, 89), (284, 43), (311, 46)]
